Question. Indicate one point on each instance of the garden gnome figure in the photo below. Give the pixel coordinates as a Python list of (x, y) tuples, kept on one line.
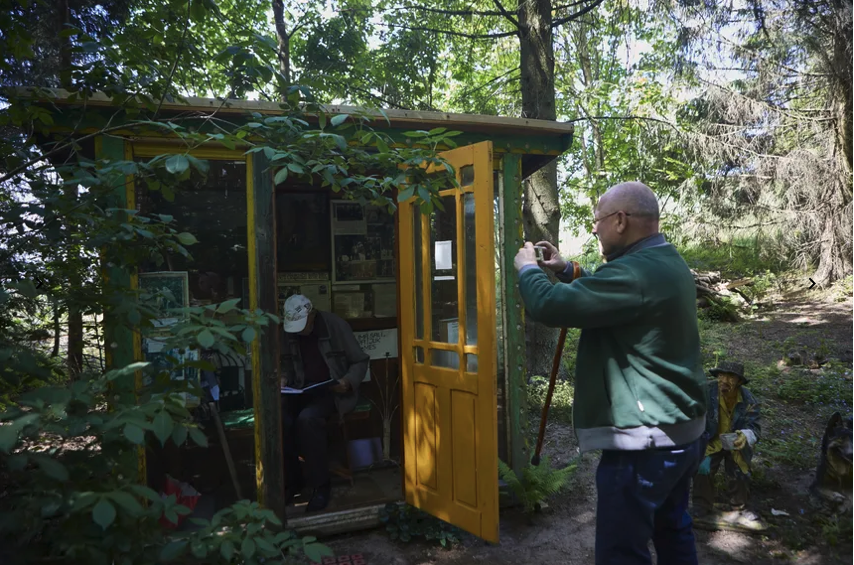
[(732, 426)]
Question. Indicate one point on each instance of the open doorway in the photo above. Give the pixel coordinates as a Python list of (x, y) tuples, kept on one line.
[(342, 255)]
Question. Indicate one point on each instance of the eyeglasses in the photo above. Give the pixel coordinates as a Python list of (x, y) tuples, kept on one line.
[(597, 220)]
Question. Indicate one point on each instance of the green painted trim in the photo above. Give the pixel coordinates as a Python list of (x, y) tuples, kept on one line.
[(514, 332)]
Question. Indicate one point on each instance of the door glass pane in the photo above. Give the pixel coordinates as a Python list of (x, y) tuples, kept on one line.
[(419, 294), (471, 268), (443, 267), (471, 362), (467, 175), (447, 359)]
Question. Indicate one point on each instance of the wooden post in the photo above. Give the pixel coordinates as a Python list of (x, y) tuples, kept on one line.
[(514, 324), (269, 462)]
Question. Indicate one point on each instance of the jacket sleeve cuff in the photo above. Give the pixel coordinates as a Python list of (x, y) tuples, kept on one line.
[(750, 436), (569, 272)]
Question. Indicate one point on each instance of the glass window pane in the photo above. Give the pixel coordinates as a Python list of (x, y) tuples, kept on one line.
[(467, 175), (471, 268), (212, 207), (443, 266), (446, 359), (419, 294), (419, 354), (471, 362)]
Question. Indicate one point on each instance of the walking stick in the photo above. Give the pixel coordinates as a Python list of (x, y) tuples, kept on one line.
[(555, 365)]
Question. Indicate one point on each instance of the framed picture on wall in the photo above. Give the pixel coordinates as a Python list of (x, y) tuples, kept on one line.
[(362, 243), (166, 291)]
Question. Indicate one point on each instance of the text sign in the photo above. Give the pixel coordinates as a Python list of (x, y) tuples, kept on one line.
[(377, 343)]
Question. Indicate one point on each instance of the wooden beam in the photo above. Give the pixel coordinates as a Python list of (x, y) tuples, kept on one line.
[(269, 463)]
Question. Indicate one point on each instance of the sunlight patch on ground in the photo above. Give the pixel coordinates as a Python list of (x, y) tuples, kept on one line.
[(733, 544)]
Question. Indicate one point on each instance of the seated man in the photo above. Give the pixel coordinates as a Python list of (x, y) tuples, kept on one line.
[(316, 346), (732, 426)]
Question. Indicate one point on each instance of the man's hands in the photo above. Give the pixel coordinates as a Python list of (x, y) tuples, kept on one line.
[(551, 257), (343, 387), (740, 441), (526, 256)]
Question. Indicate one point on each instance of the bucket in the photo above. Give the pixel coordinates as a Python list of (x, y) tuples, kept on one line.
[(365, 452)]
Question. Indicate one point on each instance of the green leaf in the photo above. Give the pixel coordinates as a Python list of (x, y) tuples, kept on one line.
[(198, 437), (405, 194), (338, 119), (177, 164), (134, 434), (247, 548), (172, 550), (228, 305), (8, 437), (281, 176), (186, 238), (127, 502), (317, 551), (145, 492), (179, 435), (163, 426), (51, 467), (205, 338), (265, 546), (248, 334), (104, 513), (227, 550), (165, 218), (296, 168)]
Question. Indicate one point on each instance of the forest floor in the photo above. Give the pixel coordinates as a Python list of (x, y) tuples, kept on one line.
[(796, 404)]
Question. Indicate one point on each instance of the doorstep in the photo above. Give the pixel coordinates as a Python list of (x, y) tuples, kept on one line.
[(339, 522)]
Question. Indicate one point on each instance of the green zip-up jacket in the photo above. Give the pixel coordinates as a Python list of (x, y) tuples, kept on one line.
[(639, 381)]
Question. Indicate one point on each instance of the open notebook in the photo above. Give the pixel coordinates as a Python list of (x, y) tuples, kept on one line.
[(291, 390)]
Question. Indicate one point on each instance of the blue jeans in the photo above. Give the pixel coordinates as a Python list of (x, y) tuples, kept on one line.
[(643, 495)]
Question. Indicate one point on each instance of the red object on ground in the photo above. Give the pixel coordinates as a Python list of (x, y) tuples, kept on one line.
[(356, 559), (184, 494)]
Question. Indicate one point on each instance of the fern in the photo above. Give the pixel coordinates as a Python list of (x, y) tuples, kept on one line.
[(537, 482)]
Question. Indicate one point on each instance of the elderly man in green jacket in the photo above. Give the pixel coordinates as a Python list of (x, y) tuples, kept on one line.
[(640, 390)]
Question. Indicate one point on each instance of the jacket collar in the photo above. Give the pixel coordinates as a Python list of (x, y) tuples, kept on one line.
[(650, 241)]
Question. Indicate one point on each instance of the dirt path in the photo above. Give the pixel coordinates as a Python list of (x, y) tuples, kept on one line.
[(565, 531)]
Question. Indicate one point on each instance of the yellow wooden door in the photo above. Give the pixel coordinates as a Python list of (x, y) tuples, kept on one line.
[(448, 348)]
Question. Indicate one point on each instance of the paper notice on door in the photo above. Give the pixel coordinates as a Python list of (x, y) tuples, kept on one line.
[(444, 255)]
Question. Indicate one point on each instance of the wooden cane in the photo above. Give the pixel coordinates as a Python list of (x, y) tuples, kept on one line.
[(544, 418), (225, 449)]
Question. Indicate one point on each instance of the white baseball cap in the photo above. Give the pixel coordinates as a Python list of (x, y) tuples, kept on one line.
[(296, 311)]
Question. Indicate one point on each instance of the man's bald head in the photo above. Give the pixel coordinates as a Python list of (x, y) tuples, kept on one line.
[(636, 198), (625, 214)]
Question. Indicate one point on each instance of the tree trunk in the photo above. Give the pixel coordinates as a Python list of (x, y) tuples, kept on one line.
[(57, 328), (63, 19), (75, 341), (541, 208), (284, 40), (835, 256)]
